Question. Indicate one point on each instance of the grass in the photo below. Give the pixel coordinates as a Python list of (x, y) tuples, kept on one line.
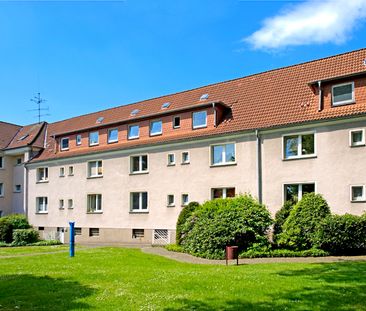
[(127, 279)]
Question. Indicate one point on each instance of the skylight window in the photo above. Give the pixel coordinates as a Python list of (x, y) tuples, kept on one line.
[(23, 137), (100, 119), (135, 112), (204, 97), (165, 105)]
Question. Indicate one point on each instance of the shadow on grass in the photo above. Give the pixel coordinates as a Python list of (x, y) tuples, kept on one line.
[(340, 286), (27, 292)]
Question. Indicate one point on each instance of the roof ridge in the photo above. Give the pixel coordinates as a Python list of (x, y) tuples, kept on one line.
[(11, 124), (216, 83)]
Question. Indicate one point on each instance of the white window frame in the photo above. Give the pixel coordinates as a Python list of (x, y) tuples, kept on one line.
[(2, 190), (71, 170), (300, 188), (2, 164), (157, 133), (224, 191), (182, 199), (111, 141), (128, 131), (180, 119), (78, 139), (351, 143), (299, 146), (173, 162), (139, 210), (89, 170), (363, 199), (140, 171), (167, 200), (98, 197), (45, 178), (93, 143), (16, 190), (224, 163), (188, 157), (199, 126), (68, 143), (61, 204), (62, 171), (70, 206), (44, 205), (345, 102)]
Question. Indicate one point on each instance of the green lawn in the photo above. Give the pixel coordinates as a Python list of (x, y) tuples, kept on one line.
[(127, 279)]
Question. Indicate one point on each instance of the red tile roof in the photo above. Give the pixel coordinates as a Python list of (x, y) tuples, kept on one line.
[(274, 98), (7, 132), (29, 135)]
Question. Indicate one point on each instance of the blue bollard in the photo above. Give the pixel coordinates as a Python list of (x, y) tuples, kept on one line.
[(72, 238)]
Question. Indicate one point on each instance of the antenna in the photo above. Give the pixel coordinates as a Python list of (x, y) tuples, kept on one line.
[(38, 100)]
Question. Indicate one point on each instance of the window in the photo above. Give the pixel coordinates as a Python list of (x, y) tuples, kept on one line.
[(61, 204), (185, 157), (95, 169), (294, 192), (1, 162), (176, 122), (223, 154), (298, 146), (133, 131), (65, 143), (93, 138), (93, 231), (42, 174), (156, 128), (71, 170), (170, 200), (223, 193), (139, 202), (18, 188), (171, 159), (1, 189), (70, 203), (42, 204), (94, 203), (62, 171), (19, 161), (77, 231), (40, 228), (185, 199), (357, 138), (343, 94), (78, 140), (139, 164), (138, 233), (112, 136), (199, 119), (358, 193)]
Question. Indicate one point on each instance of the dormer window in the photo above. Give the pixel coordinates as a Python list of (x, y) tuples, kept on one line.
[(156, 128), (93, 138), (199, 119), (65, 143), (133, 131), (343, 94)]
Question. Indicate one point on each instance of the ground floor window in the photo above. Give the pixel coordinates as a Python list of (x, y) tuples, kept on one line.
[(93, 231), (294, 192), (138, 233), (139, 202), (94, 203), (357, 193), (217, 193), (42, 204)]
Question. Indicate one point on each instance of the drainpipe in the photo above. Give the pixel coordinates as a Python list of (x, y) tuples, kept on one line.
[(259, 166), (215, 114), (320, 106)]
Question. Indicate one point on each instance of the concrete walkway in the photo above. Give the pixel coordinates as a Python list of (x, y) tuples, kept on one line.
[(182, 257)]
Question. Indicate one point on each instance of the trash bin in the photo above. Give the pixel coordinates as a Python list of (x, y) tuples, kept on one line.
[(232, 253)]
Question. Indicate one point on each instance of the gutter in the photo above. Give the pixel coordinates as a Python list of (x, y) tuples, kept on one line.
[(320, 91), (259, 166), (215, 114)]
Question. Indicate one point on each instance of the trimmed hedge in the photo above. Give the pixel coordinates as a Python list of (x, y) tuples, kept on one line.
[(300, 228), (24, 237), (342, 235), (240, 221), (283, 253), (183, 216)]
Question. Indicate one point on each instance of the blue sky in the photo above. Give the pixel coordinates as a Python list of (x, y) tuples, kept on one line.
[(88, 55)]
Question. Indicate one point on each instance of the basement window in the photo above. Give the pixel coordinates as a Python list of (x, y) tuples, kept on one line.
[(138, 233), (93, 231), (343, 94)]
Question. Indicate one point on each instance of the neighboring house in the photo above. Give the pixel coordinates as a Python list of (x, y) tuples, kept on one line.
[(123, 174)]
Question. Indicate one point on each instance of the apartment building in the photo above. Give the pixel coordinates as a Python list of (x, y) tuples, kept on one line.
[(124, 174)]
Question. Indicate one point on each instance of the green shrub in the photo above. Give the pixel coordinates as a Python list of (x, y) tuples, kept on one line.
[(3, 244), (6, 230), (184, 214), (18, 221), (343, 235), (46, 243), (283, 253), (24, 236), (281, 217), (300, 228), (240, 221), (174, 248)]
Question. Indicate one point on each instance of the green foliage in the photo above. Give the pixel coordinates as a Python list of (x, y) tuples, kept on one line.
[(184, 214), (18, 221), (3, 244), (6, 230), (342, 235), (240, 221), (300, 228), (24, 236), (252, 253), (281, 217), (46, 243), (174, 248)]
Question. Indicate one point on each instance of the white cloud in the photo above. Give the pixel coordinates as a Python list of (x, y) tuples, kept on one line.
[(311, 22)]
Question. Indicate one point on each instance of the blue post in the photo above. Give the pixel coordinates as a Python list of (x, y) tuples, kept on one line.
[(72, 238)]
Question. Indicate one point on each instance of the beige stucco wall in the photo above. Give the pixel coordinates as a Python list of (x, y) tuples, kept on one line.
[(6, 177), (335, 167)]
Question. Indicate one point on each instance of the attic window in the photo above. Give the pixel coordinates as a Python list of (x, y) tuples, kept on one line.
[(343, 94), (165, 105), (135, 112), (23, 137), (204, 97), (100, 120)]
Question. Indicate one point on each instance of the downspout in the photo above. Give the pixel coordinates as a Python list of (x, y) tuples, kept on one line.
[(259, 166), (320, 106), (215, 114)]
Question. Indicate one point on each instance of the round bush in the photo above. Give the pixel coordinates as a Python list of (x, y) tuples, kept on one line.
[(240, 221), (18, 221), (6, 230), (184, 214), (301, 226), (281, 217), (24, 236)]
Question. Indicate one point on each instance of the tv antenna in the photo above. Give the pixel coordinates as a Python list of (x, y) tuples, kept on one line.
[(38, 100)]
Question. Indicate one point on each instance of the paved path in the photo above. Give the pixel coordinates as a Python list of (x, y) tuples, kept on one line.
[(182, 257)]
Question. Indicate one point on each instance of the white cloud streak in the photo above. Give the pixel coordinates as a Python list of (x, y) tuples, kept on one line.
[(311, 22)]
